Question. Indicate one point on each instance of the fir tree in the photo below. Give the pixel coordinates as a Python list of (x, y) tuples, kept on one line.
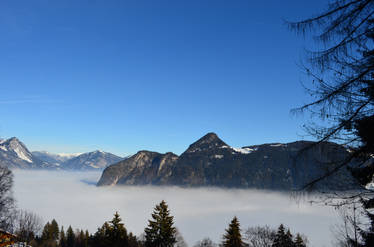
[(299, 242), (86, 238), (46, 234), (133, 242), (54, 230), (117, 232), (233, 238), (283, 239), (70, 237), (160, 231), (288, 239), (101, 236), (112, 233), (79, 238), (62, 242)]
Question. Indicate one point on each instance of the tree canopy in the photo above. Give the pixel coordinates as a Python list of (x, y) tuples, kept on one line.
[(233, 237), (160, 231), (6, 198), (342, 89), (342, 73)]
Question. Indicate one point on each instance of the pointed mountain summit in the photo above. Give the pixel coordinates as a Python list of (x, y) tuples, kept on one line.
[(17, 149), (209, 141), (15, 155), (211, 162)]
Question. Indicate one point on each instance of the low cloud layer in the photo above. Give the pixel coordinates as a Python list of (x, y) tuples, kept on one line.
[(73, 199)]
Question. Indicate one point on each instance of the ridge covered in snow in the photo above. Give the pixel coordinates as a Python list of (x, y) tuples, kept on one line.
[(15, 155), (244, 150)]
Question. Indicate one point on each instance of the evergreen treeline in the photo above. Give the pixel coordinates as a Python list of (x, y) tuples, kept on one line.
[(160, 232), (111, 233)]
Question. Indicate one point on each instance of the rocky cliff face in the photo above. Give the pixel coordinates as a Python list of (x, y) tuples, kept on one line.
[(211, 162), (142, 168)]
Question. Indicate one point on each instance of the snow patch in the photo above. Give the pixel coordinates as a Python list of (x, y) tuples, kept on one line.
[(21, 154), (241, 150), (3, 148), (218, 156), (94, 166), (277, 145), (370, 186), (194, 150), (67, 155), (244, 150)]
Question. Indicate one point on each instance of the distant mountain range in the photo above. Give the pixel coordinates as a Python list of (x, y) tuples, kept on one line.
[(207, 162), (211, 162), (15, 155)]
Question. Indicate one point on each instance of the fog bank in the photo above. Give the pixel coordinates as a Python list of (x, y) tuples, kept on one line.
[(73, 199)]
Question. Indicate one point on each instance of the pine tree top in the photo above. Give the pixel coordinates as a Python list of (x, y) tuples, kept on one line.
[(233, 237)]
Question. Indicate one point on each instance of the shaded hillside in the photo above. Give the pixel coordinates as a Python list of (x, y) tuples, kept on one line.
[(211, 162)]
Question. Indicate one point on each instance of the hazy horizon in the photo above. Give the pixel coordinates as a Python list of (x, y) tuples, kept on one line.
[(72, 199)]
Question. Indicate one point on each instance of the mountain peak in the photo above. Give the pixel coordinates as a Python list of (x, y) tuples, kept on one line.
[(209, 141), (13, 139)]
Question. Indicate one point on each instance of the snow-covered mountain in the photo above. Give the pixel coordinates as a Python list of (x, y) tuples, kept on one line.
[(52, 158), (92, 160), (15, 155)]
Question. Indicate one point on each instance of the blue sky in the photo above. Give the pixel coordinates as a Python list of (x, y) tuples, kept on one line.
[(123, 76)]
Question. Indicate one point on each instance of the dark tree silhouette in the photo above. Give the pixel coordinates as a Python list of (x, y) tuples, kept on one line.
[(342, 87), (62, 241), (282, 239), (342, 77), (299, 241), (6, 198), (112, 233), (160, 231), (70, 237), (233, 237), (26, 225)]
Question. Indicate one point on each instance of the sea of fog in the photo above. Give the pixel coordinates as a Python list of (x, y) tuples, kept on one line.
[(73, 199)]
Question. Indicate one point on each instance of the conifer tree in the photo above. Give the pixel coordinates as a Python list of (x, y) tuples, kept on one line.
[(62, 242), (70, 237), (289, 239), (133, 241), (112, 233), (46, 234), (117, 232), (233, 237), (299, 242), (283, 239), (86, 238), (54, 230), (101, 236), (160, 231), (79, 238)]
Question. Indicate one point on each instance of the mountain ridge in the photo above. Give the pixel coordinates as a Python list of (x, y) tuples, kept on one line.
[(211, 162), (15, 155)]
